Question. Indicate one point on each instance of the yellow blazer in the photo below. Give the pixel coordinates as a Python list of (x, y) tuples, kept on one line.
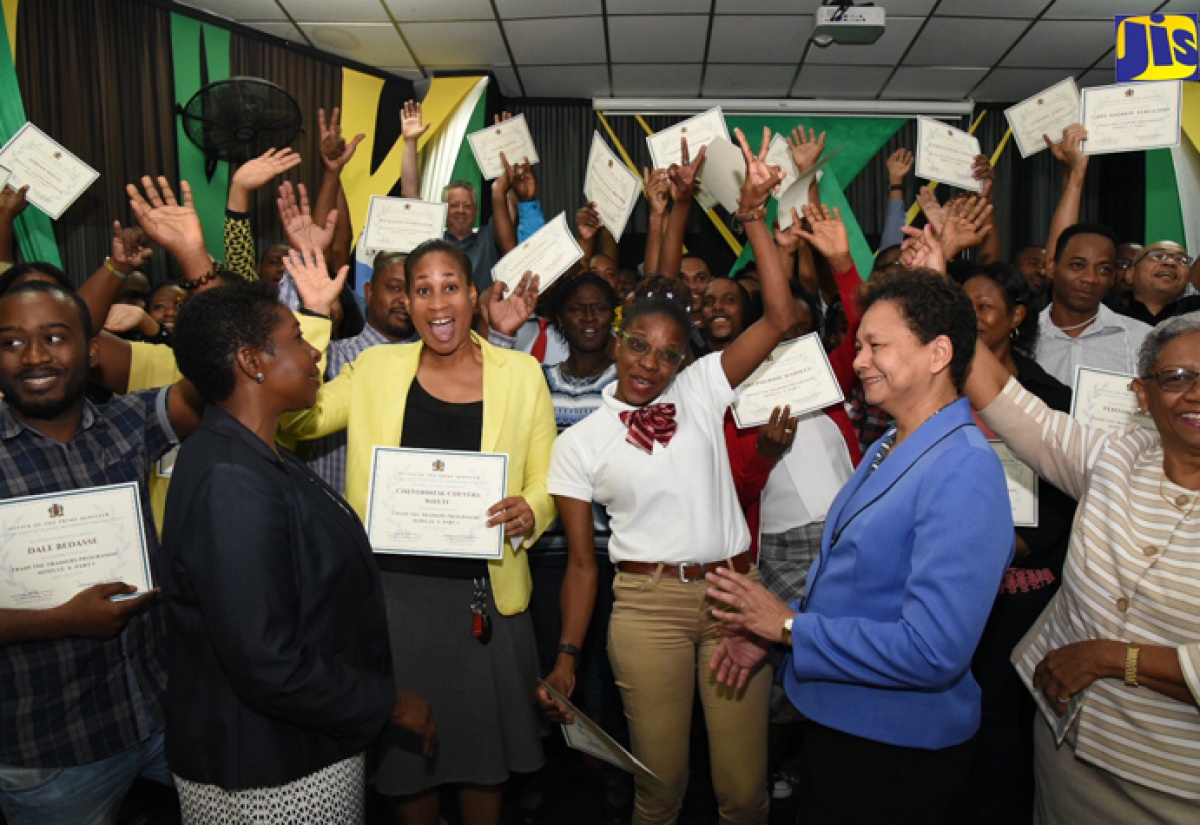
[(368, 397)]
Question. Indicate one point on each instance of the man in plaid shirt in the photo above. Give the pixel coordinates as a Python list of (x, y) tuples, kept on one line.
[(81, 684)]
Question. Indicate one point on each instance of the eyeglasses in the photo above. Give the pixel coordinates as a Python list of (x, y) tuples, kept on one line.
[(1178, 380), (639, 346), (1159, 256)]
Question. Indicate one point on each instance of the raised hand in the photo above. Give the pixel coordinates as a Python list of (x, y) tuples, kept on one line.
[(263, 169), (658, 189), (506, 313), (316, 289), (302, 232), (827, 235), (968, 221), (587, 221), (1068, 150), (921, 250), (519, 178), (761, 179), (982, 170), (933, 210), (13, 201), (789, 239), (682, 176), (170, 224), (776, 436), (899, 164), (806, 149), (411, 127), (129, 247), (335, 151)]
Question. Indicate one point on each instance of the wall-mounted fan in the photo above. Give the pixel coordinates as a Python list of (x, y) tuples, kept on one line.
[(240, 118)]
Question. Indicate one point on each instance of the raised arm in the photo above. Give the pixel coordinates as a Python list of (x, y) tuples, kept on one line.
[(744, 355), (1071, 156), (681, 179), (411, 129), (296, 216), (519, 178), (12, 204), (130, 251), (989, 247), (899, 164), (658, 196)]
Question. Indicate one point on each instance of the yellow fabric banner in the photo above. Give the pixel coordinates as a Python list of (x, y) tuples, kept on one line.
[(10, 20), (360, 107), (1191, 112)]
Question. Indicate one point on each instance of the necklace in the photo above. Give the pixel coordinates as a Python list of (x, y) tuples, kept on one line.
[(1079, 326)]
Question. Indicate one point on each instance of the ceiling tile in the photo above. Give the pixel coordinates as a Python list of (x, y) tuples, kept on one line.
[(906, 8), (1098, 77), (1013, 85), (540, 8), (404, 10), (565, 81), (932, 84), (371, 43), (1070, 44), (758, 39), (564, 40), (840, 81), (238, 9), (464, 43), (506, 77), (677, 39), (658, 6), (400, 71), (1026, 9), (679, 79), (767, 6), (285, 31), (1101, 9), (1180, 7), (886, 51), (727, 80), (957, 42), (323, 11)]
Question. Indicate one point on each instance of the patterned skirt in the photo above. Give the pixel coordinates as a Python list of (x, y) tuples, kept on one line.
[(330, 796)]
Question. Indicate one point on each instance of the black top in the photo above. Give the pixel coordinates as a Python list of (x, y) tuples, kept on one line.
[(1136, 309), (433, 424), (1056, 510), (278, 658)]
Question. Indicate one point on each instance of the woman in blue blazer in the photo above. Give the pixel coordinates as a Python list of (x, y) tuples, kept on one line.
[(913, 553)]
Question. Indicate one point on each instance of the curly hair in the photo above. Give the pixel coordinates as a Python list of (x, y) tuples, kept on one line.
[(558, 297), (428, 248), (215, 324), (931, 306)]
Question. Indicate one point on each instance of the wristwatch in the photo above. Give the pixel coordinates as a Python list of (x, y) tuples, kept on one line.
[(785, 636)]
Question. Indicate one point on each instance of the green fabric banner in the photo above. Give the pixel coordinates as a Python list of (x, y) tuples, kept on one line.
[(1164, 213), (34, 231), (854, 139), (465, 167), (200, 54)]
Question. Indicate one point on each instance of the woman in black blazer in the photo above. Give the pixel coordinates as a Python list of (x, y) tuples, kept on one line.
[(280, 671)]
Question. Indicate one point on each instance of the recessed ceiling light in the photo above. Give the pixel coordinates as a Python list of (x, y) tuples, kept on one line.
[(335, 38)]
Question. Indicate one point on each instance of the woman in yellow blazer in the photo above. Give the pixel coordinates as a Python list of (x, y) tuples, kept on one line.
[(452, 391)]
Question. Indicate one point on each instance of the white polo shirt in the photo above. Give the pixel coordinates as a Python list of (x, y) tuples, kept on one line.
[(675, 505)]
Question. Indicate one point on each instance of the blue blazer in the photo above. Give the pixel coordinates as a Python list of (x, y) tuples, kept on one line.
[(911, 560)]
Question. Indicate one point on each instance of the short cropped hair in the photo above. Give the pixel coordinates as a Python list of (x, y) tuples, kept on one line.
[(461, 184), (1083, 229), (19, 272), (215, 324), (931, 305), (429, 247), (35, 287), (568, 286)]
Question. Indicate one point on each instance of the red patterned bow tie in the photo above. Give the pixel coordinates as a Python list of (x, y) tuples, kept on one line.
[(655, 422)]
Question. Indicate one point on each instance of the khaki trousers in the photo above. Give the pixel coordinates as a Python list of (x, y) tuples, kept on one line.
[(660, 640)]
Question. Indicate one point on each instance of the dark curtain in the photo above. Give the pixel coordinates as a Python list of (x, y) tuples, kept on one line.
[(314, 84), (96, 76)]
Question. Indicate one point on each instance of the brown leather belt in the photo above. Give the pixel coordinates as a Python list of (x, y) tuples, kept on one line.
[(689, 572)]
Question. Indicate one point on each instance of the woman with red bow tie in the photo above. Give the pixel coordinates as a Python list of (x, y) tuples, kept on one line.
[(654, 455)]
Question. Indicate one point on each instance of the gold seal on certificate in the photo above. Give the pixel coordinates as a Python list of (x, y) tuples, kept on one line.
[(946, 154), (56, 178), (700, 130), (547, 253), (1103, 400), (510, 137), (1022, 486), (611, 186), (54, 545), (402, 224), (1128, 118), (1045, 114), (435, 502), (795, 374)]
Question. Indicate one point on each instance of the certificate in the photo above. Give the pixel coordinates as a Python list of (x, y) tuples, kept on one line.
[(780, 154), (796, 374), (435, 502), (723, 173), (547, 253), (56, 178), (793, 198), (1022, 486), (56, 544), (611, 186), (510, 137), (165, 467), (700, 130), (5, 174), (586, 736), (1103, 400), (946, 154), (1045, 114), (401, 224), (1127, 118)]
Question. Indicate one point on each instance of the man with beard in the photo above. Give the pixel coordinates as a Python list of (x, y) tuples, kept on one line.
[(81, 684), (1159, 276)]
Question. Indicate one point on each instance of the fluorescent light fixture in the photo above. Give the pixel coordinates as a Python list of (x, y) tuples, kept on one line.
[(792, 106)]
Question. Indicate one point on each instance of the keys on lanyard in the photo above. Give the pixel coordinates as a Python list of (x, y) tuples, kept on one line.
[(481, 623)]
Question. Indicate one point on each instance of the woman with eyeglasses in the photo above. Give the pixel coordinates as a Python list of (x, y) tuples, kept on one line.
[(1114, 661), (654, 455)]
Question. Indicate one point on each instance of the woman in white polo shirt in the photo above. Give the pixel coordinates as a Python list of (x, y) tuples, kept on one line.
[(654, 455)]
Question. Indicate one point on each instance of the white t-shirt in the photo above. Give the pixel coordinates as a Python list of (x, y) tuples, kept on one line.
[(675, 505), (807, 478)]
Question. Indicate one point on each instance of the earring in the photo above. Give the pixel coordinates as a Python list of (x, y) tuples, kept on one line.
[(1013, 334), (259, 377)]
